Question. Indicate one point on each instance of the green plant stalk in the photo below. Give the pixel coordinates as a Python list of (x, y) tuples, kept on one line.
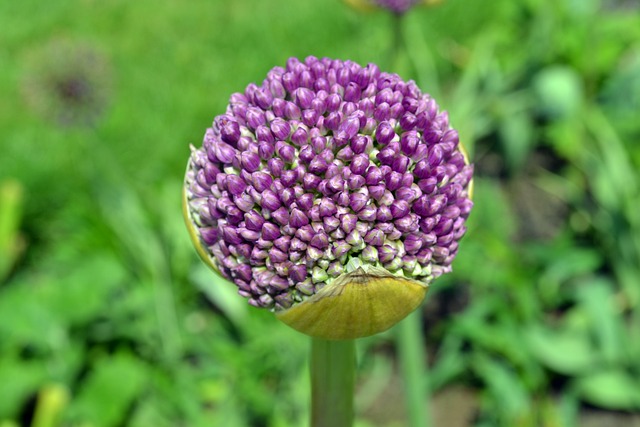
[(332, 382), (411, 351)]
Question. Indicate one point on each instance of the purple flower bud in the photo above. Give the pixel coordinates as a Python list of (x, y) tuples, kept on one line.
[(428, 185), (300, 136), (393, 181), (319, 105), (298, 218), (368, 213), (244, 202), (250, 161), (336, 184), (412, 244), (359, 144), (285, 151), (253, 220), (320, 241), (261, 181), (281, 215), (235, 184), (348, 222), (400, 164), (263, 134), (386, 253), (270, 231), (255, 118), (407, 224), (288, 179), (310, 117), (408, 121), (333, 121), (270, 200), (383, 214), (340, 248), (349, 127), (280, 128), (298, 273), (327, 208), (358, 201), (359, 164), (465, 207), (382, 112), (406, 181), (292, 111), (210, 235), (333, 102), (290, 81), (435, 156), (337, 234), (356, 182), (318, 166), (386, 156), (384, 133), (376, 191), (277, 256), (275, 166), (399, 208), (355, 240), (224, 153), (303, 97), (278, 107), (230, 234), (229, 131), (265, 150), (436, 204), (384, 96)]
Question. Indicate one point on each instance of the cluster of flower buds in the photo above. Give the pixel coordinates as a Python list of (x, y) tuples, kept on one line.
[(325, 168)]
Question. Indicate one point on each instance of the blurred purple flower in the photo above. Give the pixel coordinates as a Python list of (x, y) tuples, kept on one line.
[(398, 7), (67, 81), (325, 167)]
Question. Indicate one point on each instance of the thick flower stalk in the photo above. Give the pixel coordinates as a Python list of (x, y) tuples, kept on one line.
[(332, 194)]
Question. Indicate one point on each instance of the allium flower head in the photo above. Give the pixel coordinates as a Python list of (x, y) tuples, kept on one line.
[(327, 173)]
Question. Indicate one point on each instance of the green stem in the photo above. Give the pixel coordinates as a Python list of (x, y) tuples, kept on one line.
[(411, 349), (397, 44), (332, 382)]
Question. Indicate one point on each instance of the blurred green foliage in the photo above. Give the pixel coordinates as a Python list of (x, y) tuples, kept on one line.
[(107, 318)]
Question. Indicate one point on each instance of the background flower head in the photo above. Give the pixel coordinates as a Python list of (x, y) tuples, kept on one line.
[(398, 7), (67, 81)]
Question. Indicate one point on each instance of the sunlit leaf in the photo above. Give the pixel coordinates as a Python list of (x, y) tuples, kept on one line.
[(568, 352), (613, 389)]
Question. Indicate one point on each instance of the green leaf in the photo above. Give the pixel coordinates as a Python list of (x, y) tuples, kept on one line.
[(20, 380), (516, 137), (111, 388), (10, 215), (559, 91), (598, 300), (565, 351), (505, 386), (612, 389), (220, 292)]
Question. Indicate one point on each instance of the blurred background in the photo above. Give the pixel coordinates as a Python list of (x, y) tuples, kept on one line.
[(107, 317)]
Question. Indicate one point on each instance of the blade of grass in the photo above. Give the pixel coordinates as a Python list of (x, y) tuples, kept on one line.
[(411, 350)]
